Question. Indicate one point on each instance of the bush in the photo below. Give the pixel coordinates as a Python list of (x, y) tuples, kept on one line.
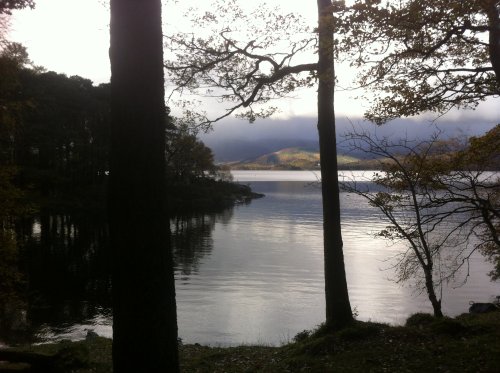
[(302, 336), (420, 320)]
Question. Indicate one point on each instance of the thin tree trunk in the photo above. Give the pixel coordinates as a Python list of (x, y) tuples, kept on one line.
[(429, 284), (144, 311), (338, 308)]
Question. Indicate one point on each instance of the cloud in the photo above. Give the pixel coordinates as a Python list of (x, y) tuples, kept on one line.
[(234, 139)]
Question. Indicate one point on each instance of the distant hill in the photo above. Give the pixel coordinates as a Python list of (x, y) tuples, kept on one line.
[(295, 158)]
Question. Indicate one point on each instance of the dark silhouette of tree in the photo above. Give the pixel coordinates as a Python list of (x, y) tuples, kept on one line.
[(251, 69), (418, 56), (62, 142), (144, 310), (338, 309), (6, 6), (11, 106), (188, 159)]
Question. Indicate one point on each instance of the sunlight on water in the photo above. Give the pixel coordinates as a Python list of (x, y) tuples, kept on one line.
[(263, 281), (254, 274)]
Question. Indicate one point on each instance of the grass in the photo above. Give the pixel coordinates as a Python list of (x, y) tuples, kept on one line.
[(468, 343)]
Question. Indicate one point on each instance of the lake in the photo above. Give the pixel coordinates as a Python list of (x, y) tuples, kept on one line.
[(254, 273)]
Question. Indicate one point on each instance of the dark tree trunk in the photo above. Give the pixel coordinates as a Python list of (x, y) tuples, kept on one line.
[(494, 37), (338, 308), (429, 284), (144, 312)]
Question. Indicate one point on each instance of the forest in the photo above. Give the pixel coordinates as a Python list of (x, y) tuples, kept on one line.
[(87, 166)]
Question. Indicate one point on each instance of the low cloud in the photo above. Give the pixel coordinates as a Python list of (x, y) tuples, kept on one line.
[(234, 140)]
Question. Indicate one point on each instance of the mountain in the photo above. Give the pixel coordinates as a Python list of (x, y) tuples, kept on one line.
[(239, 150), (234, 140), (294, 158)]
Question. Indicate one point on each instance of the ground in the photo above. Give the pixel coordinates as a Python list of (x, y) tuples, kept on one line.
[(468, 343)]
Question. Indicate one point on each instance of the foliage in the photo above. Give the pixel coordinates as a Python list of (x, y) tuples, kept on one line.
[(439, 199), (301, 336), (11, 197), (207, 194), (6, 6), (420, 320), (482, 152), (188, 159), (63, 143), (55, 139), (404, 197), (418, 56), (466, 180)]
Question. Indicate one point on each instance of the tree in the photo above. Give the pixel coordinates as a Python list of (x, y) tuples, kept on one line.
[(466, 179), (187, 157), (252, 67), (62, 143), (438, 198), (418, 56), (144, 311), (338, 309), (12, 203), (403, 197), (12, 59)]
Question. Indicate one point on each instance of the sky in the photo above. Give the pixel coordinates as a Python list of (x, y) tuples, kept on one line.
[(72, 37)]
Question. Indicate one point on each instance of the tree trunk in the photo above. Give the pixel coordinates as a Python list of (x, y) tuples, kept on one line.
[(493, 14), (144, 311), (338, 308), (429, 284)]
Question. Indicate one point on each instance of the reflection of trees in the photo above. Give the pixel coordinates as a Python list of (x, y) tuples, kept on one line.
[(66, 263), (192, 238), (12, 305)]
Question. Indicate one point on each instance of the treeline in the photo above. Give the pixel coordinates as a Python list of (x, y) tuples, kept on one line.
[(55, 140)]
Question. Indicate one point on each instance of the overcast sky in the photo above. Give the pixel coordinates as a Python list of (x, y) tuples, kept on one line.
[(72, 37)]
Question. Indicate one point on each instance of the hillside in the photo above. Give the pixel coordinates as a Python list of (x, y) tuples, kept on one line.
[(295, 158)]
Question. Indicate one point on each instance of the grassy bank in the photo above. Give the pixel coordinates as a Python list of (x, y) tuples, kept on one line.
[(468, 343)]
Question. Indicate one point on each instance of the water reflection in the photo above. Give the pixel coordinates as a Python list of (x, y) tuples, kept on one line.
[(252, 274), (192, 240), (65, 267)]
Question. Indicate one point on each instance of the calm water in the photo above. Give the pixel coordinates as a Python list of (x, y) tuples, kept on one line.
[(254, 274), (263, 281)]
